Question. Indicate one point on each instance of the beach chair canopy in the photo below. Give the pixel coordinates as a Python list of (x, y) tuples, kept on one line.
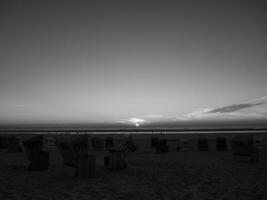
[(33, 142)]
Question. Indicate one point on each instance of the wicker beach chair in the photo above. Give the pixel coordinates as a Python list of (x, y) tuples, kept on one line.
[(74, 152), (161, 146), (221, 144), (13, 144), (203, 144), (116, 158), (39, 159), (244, 149)]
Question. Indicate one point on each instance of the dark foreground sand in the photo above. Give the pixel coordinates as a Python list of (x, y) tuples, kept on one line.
[(177, 175)]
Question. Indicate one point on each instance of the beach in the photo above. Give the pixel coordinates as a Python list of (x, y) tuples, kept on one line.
[(174, 175)]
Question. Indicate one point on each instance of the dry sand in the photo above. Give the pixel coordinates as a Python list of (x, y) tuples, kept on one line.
[(176, 175)]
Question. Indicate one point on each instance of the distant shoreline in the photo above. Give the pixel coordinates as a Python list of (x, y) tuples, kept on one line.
[(139, 130)]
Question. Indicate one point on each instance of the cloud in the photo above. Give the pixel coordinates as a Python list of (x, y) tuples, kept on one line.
[(197, 114), (131, 121), (253, 109), (262, 98), (233, 108), (136, 120), (143, 119)]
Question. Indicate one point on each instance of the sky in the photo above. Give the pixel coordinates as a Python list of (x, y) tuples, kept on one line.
[(132, 62)]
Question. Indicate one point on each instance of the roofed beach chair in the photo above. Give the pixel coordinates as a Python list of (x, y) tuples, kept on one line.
[(161, 146), (98, 143), (116, 158), (259, 143), (203, 144), (109, 142), (244, 149), (154, 141), (74, 152), (39, 159), (13, 144), (185, 145), (3, 142), (221, 144)]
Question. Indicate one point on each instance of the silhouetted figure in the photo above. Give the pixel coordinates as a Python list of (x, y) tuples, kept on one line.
[(203, 144), (39, 159), (243, 147)]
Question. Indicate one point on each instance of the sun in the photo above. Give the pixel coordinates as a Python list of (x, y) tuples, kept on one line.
[(137, 125)]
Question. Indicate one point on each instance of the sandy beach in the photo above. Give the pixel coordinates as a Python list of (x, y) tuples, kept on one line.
[(133, 100), (175, 175)]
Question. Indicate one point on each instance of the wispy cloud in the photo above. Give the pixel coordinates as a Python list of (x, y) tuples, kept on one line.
[(261, 98), (253, 109), (256, 108), (233, 108)]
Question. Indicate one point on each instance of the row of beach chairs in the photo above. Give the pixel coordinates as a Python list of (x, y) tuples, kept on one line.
[(11, 143), (243, 146), (74, 151)]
